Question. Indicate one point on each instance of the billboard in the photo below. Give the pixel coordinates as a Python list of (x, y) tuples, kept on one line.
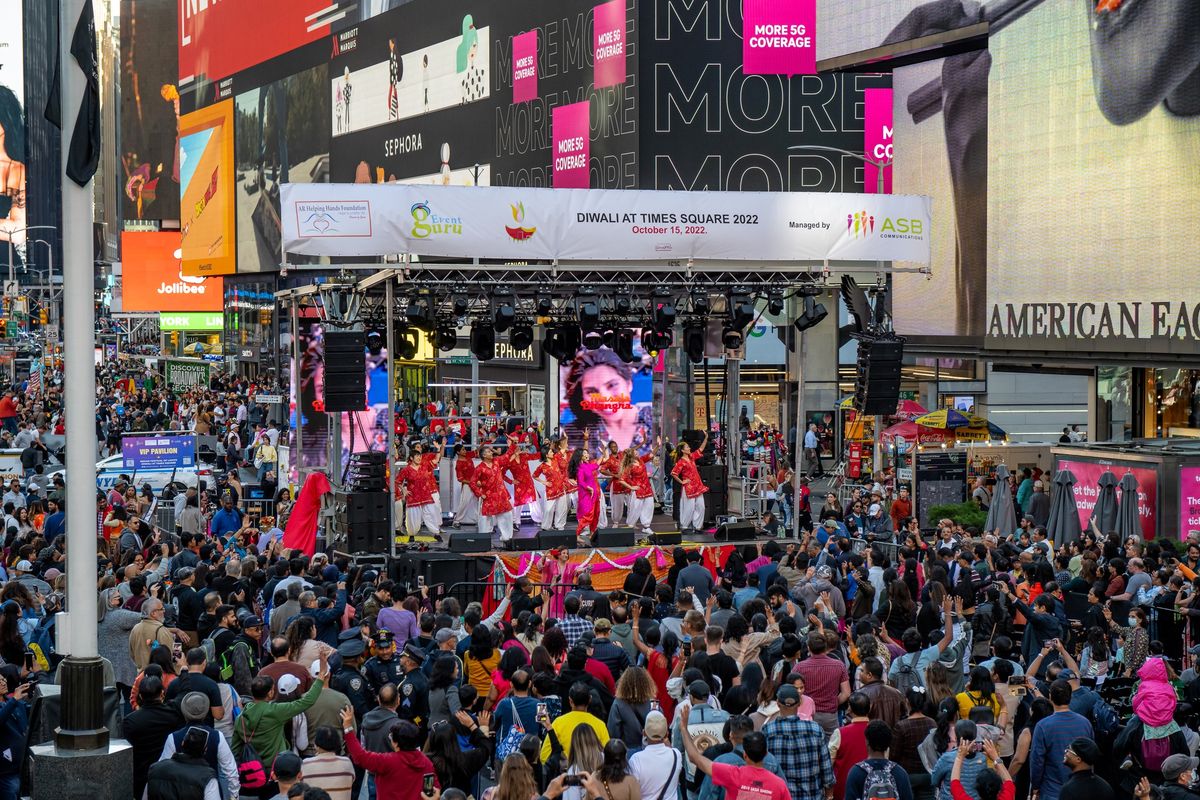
[(12, 128), (142, 453), (207, 180), (279, 139), (426, 94), (1087, 474), (1095, 157), (850, 26), (149, 110), (152, 276), (610, 399), (1189, 501), (709, 126), (182, 375)]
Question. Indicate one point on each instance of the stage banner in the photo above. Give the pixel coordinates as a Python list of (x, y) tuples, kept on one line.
[(602, 224)]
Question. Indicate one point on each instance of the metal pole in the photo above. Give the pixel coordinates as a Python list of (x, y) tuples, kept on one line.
[(82, 672), (390, 343)]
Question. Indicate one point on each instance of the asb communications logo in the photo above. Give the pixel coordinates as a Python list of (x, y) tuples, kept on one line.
[(427, 224), (519, 233), (862, 225)]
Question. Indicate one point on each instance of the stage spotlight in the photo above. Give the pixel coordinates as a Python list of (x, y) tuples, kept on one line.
[(741, 310), (813, 313), (624, 303), (654, 341), (504, 312), (460, 305), (593, 340), (731, 337), (545, 305), (589, 313), (406, 343), (420, 313), (693, 342), (701, 304), (664, 309), (374, 342), (446, 338), (561, 342), (483, 341), (521, 337), (623, 346), (775, 304)]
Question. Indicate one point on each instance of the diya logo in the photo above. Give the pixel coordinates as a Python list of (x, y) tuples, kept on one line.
[(426, 223), (519, 233)]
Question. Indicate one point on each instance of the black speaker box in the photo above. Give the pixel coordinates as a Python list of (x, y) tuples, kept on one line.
[(734, 532), (547, 540), (667, 538), (525, 543), (345, 371), (436, 567), (614, 537), (368, 537), (470, 541)]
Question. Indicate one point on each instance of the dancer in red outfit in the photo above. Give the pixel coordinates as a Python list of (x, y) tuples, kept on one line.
[(417, 486), (489, 484), (554, 478), (466, 509), (635, 479), (524, 490), (692, 489), (610, 467)]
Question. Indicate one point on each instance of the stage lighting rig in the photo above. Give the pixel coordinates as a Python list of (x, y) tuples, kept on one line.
[(521, 337), (483, 341), (813, 312), (775, 304), (460, 305), (421, 311), (693, 341), (664, 309), (741, 309), (405, 339), (562, 341), (623, 345), (504, 310), (701, 306), (545, 305)]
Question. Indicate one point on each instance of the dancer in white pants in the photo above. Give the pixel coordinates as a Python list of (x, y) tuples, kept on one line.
[(691, 488), (422, 504), (553, 480), (636, 481), (496, 511), (466, 507), (610, 467)]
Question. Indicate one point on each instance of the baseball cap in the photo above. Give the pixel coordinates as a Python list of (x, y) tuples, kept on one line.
[(1194, 651), (829, 525), (824, 572), (1067, 675), (656, 726), (1176, 765), (874, 509), (286, 684), (787, 695), (252, 622), (23, 566), (1089, 753), (602, 624), (349, 634), (194, 706), (444, 635), (287, 766), (699, 690)]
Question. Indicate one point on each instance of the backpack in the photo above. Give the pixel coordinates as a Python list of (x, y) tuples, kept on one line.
[(1105, 720), (879, 784), (209, 646), (906, 673)]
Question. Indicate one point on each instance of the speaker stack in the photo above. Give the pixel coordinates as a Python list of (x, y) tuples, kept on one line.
[(367, 472), (360, 521), (437, 567), (345, 371), (877, 383)]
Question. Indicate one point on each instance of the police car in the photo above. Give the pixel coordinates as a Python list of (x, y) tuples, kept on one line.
[(110, 470)]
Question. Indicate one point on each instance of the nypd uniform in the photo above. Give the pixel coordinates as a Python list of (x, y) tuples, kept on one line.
[(350, 682), (379, 671), (414, 690)]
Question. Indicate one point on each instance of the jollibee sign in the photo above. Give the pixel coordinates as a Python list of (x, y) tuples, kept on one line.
[(152, 279)]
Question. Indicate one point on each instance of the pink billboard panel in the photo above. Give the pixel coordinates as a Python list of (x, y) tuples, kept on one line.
[(1087, 478), (572, 146), (877, 138), (525, 76), (608, 41)]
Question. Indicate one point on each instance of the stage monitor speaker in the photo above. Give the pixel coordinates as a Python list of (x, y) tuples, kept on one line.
[(667, 538), (547, 540), (615, 537), (525, 544), (436, 567), (735, 532), (345, 371), (470, 541)]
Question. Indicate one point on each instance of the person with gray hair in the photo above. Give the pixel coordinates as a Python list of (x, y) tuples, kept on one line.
[(218, 756), (1138, 579), (149, 631)]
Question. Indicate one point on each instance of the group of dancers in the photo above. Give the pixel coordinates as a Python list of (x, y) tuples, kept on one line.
[(571, 480)]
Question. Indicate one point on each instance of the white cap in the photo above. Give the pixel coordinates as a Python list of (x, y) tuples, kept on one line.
[(874, 509)]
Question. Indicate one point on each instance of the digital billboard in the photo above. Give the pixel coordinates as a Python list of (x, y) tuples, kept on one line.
[(851, 26), (1094, 131), (12, 130), (149, 110), (610, 400), (279, 139), (425, 94), (152, 276), (207, 183)]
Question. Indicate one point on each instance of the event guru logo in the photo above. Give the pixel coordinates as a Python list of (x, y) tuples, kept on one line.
[(519, 233), (427, 224)]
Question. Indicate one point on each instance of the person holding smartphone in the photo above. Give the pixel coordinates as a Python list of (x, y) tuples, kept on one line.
[(14, 729)]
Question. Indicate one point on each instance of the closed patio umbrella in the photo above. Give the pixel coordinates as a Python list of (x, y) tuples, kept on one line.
[(1063, 525), (1104, 515), (1001, 515), (1129, 522)]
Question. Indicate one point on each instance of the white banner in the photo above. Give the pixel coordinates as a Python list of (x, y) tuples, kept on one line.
[(602, 224)]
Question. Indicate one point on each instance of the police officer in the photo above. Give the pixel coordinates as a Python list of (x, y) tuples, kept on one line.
[(414, 687), (350, 681), (383, 667)]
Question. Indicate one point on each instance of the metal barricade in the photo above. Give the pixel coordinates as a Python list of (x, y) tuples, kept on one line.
[(257, 507), (163, 516)]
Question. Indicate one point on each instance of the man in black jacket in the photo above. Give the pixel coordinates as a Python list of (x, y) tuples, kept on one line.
[(1178, 772), (148, 728), (185, 775)]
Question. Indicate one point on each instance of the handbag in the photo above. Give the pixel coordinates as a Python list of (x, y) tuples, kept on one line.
[(511, 743), (252, 773)]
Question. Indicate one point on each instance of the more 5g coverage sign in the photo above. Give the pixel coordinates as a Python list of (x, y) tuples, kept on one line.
[(157, 453), (779, 37)]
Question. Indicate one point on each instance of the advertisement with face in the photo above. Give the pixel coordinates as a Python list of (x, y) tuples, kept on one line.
[(149, 110), (207, 180), (12, 131), (309, 421), (610, 400), (411, 91), (276, 144)]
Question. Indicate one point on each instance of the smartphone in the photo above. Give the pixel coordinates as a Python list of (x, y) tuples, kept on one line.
[(427, 786), (420, 581), (541, 711), (655, 706), (572, 780), (29, 660), (1016, 686)]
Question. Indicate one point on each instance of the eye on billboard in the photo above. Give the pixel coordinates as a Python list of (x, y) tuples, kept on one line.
[(207, 180)]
